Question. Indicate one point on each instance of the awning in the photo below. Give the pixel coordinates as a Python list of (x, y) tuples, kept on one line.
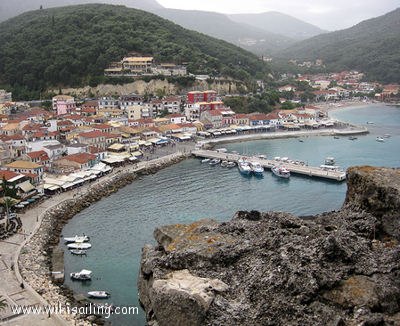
[(137, 153), (154, 140), (116, 147), (50, 187), (26, 186)]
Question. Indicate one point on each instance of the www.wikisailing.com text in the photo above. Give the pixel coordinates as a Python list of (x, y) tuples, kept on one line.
[(90, 309)]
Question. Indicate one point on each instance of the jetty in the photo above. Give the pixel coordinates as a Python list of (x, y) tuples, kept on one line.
[(306, 170)]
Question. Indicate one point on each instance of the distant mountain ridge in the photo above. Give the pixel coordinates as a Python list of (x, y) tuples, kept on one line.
[(257, 39), (372, 46), (278, 23), (221, 26)]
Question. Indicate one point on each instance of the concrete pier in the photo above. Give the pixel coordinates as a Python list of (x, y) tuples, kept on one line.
[(311, 171)]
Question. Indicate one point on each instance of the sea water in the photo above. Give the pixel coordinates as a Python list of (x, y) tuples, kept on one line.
[(121, 224)]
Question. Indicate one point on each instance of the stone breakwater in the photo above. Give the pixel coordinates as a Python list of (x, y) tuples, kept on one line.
[(273, 268), (35, 257)]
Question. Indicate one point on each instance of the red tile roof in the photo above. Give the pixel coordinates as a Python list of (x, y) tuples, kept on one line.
[(93, 134), (80, 158), (42, 155), (101, 126), (7, 174)]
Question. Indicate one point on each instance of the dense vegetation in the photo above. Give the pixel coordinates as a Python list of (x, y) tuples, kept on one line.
[(263, 103), (71, 46), (372, 46)]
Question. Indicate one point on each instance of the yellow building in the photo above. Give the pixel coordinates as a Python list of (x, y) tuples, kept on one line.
[(137, 65)]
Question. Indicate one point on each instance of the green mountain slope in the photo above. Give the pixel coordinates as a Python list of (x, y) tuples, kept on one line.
[(278, 23), (12, 8), (372, 46), (69, 46)]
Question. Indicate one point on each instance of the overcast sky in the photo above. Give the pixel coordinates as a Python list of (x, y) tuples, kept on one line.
[(327, 14)]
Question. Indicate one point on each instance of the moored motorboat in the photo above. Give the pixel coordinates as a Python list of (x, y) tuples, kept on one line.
[(214, 162), (79, 245), (244, 167), (380, 139), (336, 137), (256, 168), (352, 138), (224, 164), (206, 160), (99, 294), (329, 160), (78, 252), (231, 165), (281, 171), (83, 275), (387, 136), (77, 238)]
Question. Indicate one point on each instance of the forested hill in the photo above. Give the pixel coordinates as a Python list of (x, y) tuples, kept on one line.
[(70, 46), (372, 46)]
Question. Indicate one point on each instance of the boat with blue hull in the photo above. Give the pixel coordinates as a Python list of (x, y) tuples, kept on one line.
[(256, 168)]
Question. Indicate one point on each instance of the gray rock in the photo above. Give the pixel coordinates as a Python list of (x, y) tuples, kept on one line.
[(336, 268)]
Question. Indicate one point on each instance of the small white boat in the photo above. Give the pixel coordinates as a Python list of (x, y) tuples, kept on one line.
[(284, 159), (352, 138), (387, 136), (77, 238), (329, 160), (79, 245), (277, 158), (380, 139), (224, 164), (256, 168), (327, 167), (230, 165), (214, 162), (83, 275), (78, 252), (370, 122), (221, 150), (99, 294), (262, 156), (206, 160), (244, 167), (281, 171)]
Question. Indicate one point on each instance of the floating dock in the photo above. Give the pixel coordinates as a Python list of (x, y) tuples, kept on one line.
[(305, 170)]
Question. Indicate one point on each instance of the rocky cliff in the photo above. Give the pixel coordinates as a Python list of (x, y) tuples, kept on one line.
[(337, 268)]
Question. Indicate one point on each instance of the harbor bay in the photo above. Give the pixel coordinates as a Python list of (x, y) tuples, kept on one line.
[(121, 224)]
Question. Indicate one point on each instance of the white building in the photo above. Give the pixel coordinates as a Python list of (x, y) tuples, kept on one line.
[(5, 96)]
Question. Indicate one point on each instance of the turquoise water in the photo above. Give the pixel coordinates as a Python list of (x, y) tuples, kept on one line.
[(121, 224)]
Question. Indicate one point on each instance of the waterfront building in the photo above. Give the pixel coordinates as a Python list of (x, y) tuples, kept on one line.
[(26, 167), (79, 161)]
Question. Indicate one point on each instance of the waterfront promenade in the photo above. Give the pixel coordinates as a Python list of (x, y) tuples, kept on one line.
[(11, 279)]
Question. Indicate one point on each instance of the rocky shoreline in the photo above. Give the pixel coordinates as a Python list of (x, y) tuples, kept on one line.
[(36, 255), (273, 268)]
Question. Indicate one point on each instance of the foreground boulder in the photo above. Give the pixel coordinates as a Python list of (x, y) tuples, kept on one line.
[(337, 268)]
